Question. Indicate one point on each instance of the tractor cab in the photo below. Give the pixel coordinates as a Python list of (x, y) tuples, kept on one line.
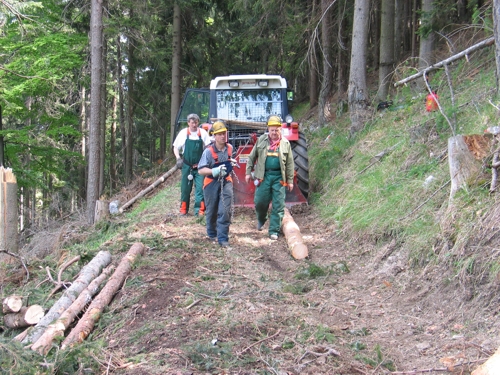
[(244, 102)]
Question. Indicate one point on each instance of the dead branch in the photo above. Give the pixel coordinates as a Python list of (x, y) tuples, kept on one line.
[(494, 172), (379, 157), (20, 259), (60, 284), (258, 342), (427, 200), (465, 52)]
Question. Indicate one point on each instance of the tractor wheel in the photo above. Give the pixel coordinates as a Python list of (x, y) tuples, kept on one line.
[(299, 149)]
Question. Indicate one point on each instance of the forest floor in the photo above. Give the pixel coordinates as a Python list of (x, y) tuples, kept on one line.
[(192, 307)]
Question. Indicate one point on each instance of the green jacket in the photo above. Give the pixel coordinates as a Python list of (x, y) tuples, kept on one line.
[(257, 159)]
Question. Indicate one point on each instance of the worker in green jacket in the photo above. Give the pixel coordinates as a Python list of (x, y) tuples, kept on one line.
[(272, 162)]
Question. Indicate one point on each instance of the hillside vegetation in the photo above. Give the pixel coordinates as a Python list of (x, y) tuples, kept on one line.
[(399, 277)]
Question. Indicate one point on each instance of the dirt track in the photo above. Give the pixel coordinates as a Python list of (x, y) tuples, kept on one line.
[(192, 307)]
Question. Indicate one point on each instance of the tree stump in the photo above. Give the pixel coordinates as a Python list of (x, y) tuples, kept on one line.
[(101, 210), (8, 214), (465, 168)]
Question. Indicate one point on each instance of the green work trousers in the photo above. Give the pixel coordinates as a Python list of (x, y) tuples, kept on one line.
[(187, 187), (270, 190)]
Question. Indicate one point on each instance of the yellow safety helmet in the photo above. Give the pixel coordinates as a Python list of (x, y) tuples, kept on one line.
[(273, 120), (218, 127)]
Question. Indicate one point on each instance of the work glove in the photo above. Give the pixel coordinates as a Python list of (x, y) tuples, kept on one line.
[(219, 171), (179, 163)]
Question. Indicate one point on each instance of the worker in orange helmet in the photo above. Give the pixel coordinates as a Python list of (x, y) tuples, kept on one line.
[(272, 159), (216, 165)]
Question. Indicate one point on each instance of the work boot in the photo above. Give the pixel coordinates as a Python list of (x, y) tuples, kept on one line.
[(259, 226), (224, 243), (273, 237)]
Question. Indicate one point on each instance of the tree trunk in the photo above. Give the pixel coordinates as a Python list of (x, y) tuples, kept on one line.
[(130, 107), (82, 190), (358, 92), (103, 112), (342, 57), (293, 237), (113, 182), (44, 343), (386, 64), (87, 274), (496, 21), (103, 299), (95, 105), (175, 99), (414, 24), (426, 41), (312, 60), (121, 110), (12, 304), (27, 316), (324, 110)]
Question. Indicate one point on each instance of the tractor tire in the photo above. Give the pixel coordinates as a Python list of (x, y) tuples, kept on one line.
[(301, 159)]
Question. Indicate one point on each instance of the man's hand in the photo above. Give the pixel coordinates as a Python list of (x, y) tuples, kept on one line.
[(248, 178), (290, 187), (219, 171), (179, 163)]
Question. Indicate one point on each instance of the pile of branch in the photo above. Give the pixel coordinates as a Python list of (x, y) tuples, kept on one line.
[(18, 316)]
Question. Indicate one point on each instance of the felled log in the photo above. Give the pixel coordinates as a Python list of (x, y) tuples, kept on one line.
[(148, 189), (293, 237), (465, 52), (27, 316), (103, 299), (490, 367), (44, 343), (87, 274), (12, 304)]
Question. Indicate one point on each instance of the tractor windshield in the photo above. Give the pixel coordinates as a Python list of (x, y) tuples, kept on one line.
[(249, 105)]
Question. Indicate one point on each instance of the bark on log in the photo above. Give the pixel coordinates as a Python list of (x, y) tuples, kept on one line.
[(103, 299), (490, 367), (148, 189), (12, 304), (464, 168), (27, 316), (44, 343), (87, 274), (293, 237), (465, 52)]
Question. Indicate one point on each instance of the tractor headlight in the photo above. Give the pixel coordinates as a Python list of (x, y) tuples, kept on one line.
[(288, 119)]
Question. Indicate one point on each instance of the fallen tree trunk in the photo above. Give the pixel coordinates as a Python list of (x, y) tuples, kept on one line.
[(148, 189), (12, 304), (490, 367), (465, 52), (44, 343), (27, 316), (87, 274), (93, 313), (248, 124), (293, 237)]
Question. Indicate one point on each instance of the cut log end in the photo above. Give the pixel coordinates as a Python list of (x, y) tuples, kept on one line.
[(12, 304), (27, 316)]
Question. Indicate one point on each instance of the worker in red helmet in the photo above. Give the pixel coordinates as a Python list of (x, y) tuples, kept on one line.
[(191, 142), (216, 165), (273, 165)]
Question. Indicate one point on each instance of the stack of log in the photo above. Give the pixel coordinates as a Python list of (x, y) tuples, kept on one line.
[(74, 300), (18, 316)]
